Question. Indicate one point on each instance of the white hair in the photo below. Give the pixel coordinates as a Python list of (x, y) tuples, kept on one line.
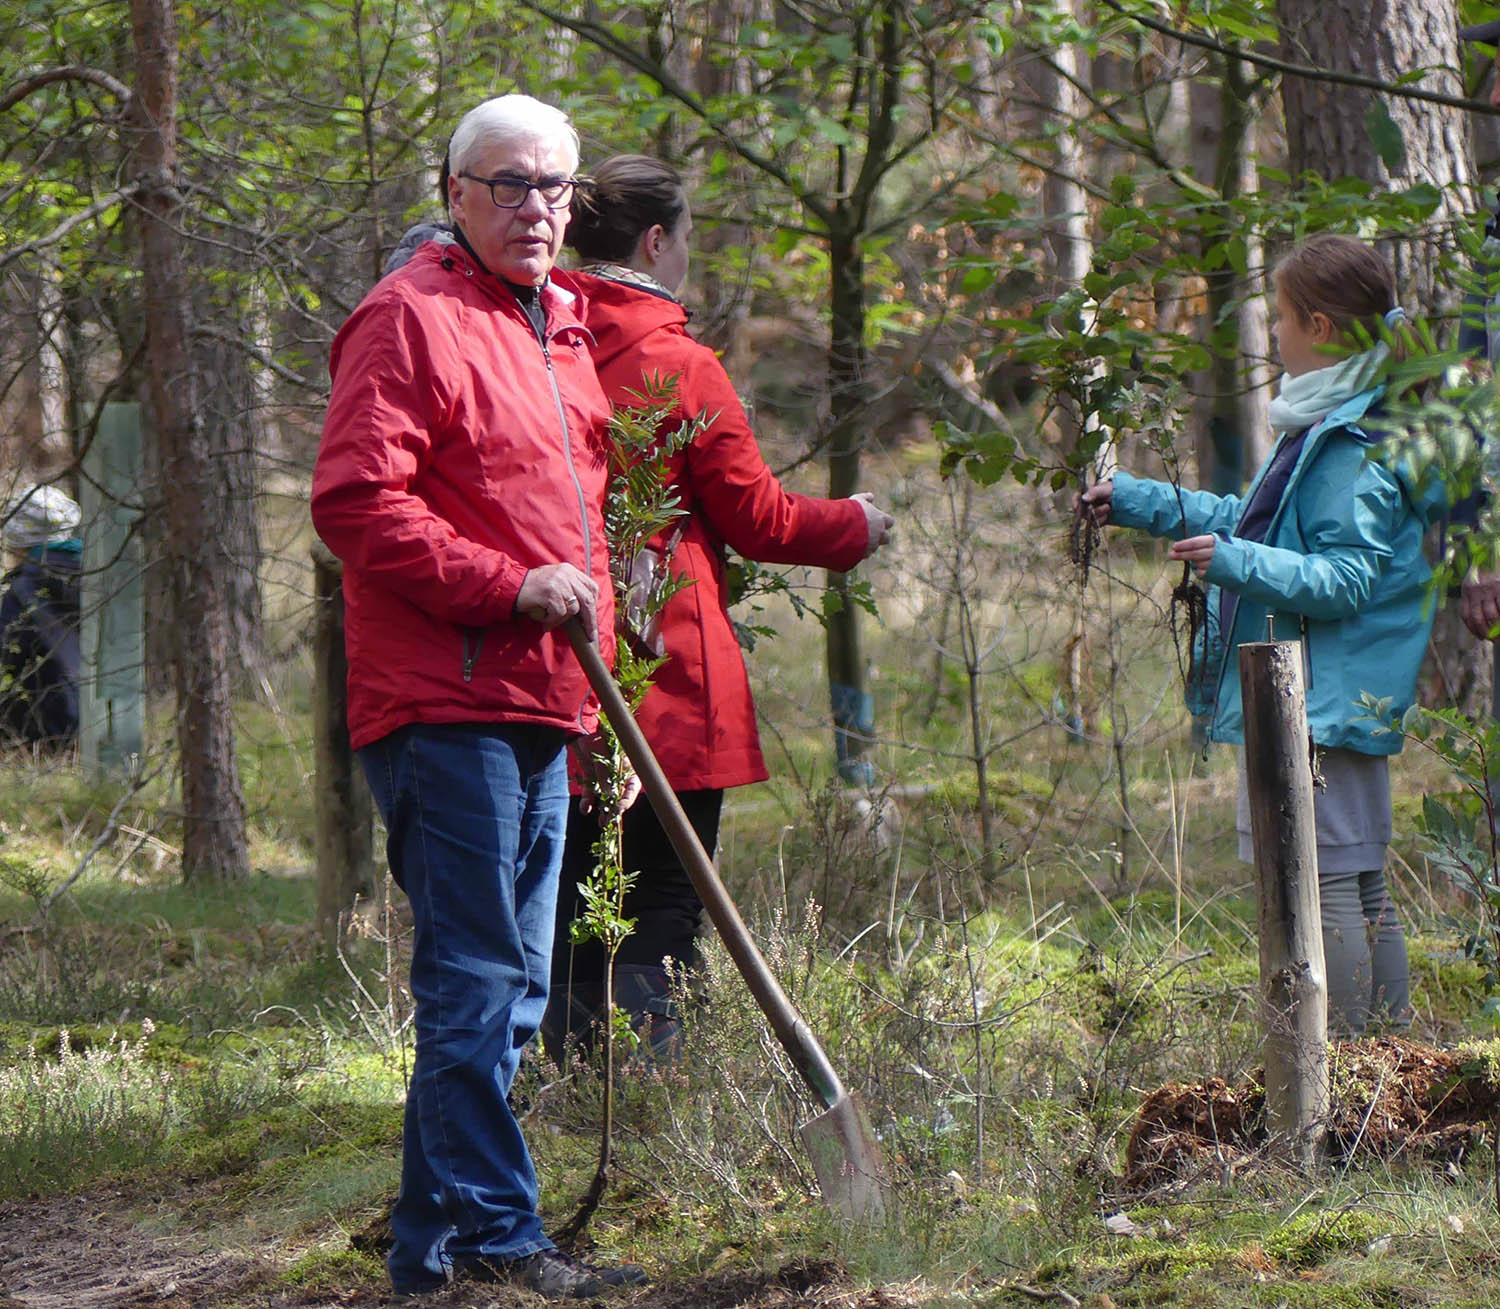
[(510, 120)]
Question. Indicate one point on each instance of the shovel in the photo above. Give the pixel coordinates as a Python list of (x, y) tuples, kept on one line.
[(845, 1155)]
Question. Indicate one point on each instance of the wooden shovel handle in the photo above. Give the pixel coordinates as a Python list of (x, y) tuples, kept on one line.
[(790, 1027)]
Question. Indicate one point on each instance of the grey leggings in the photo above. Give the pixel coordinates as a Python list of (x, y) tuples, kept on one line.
[(1364, 952), (1364, 948)]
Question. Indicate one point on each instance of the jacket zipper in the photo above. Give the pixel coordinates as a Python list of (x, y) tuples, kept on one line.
[(583, 507), (562, 422), (1227, 637), (473, 644)]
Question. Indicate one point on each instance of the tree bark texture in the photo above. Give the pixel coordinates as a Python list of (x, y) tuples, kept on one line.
[(229, 416), (1328, 125), (213, 841), (345, 814), (1294, 987), (1328, 133), (1234, 399)]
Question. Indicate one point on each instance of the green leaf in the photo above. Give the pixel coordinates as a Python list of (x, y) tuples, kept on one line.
[(978, 278), (1386, 136)]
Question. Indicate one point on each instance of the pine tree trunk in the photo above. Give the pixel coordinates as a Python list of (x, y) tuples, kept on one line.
[(1329, 133), (1328, 126), (213, 842)]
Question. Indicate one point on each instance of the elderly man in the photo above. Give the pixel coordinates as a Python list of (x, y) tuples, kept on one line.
[(461, 480)]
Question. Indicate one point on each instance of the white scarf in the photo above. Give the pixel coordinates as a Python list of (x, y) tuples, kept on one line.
[(1310, 397)]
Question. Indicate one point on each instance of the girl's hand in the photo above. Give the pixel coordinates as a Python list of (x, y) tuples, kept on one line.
[(1097, 499), (1197, 550)]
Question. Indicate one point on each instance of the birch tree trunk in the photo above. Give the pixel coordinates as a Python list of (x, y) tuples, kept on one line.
[(213, 839), (1234, 396)]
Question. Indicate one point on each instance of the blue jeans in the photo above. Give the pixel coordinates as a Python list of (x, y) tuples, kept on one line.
[(475, 816)]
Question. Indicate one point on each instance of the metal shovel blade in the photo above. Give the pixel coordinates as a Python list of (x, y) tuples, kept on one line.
[(847, 1160)]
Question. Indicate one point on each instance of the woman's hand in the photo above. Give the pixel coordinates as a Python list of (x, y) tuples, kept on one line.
[(878, 523), (1197, 550), (1097, 500), (592, 754)]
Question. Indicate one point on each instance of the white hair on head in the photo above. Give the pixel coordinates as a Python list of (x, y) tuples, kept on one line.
[(510, 120)]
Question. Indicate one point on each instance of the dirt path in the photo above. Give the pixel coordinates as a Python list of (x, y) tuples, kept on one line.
[(87, 1252), (95, 1252)]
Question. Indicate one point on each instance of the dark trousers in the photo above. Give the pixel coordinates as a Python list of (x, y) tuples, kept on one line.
[(662, 901)]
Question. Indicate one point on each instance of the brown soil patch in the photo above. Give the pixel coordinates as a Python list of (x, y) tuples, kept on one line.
[(1391, 1097), (83, 1252)]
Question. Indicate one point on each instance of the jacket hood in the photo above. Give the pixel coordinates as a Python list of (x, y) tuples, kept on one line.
[(619, 315), (1421, 479)]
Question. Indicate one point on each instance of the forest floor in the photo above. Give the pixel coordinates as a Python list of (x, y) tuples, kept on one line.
[(130, 1245), (103, 1250)]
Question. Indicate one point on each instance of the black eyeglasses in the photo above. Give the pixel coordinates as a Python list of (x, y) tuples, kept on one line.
[(511, 192)]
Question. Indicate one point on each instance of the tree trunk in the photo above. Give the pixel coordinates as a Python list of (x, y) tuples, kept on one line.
[(1293, 978), (848, 679), (213, 839), (1329, 132), (228, 418), (1236, 421), (1328, 126)]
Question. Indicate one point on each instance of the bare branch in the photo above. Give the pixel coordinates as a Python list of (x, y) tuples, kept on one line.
[(69, 223), (1302, 70), (599, 35), (18, 91), (262, 357)]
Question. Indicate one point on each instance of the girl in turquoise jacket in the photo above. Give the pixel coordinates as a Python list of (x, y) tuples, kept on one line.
[(1327, 543)]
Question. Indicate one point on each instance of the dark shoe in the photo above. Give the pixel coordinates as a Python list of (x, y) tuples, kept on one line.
[(645, 994), (550, 1273)]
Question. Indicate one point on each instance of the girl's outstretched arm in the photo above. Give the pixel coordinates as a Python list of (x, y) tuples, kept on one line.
[(1351, 524), (1166, 510)]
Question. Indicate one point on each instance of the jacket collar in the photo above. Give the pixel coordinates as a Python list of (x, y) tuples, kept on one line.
[(1347, 415), (561, 292), (627, 276), (1350, 412)]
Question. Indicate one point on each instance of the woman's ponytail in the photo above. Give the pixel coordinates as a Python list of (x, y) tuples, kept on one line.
[(623, 197)]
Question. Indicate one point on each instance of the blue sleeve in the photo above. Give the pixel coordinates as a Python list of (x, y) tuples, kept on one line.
[(1348, 510), (1164, 510)]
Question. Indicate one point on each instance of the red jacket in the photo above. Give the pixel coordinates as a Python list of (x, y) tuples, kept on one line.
[(455, 457), (699, 715)]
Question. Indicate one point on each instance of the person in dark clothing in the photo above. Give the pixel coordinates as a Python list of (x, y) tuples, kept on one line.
[(39, 651)]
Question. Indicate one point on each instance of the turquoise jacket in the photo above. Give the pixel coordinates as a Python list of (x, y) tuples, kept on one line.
[(1341, 566)]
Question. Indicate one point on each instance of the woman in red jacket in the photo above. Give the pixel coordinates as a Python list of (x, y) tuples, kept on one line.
[(630, 225)]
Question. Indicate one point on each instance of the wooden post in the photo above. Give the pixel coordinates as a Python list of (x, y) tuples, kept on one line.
[(345, 842), (112, 590), (1294, 987)]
